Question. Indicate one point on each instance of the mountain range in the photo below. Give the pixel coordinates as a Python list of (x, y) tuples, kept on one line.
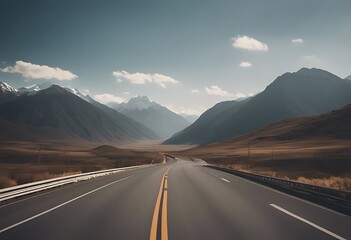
[(306, 92), (151, 114), (160, 119), (60, 110)]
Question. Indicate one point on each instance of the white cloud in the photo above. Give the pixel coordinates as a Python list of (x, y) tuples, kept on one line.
[(297, 40), (126, 93), (240, 95), (311, 59), (245, 64), (195, 91), (248, 43), (85, 91), (108, 98), (188, 111), (30, 70), (142, 78), (217, 91)]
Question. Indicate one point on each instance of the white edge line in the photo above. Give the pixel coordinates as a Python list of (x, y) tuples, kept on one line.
[(225, 180), (60, 205), (307, 222), (284, 194)]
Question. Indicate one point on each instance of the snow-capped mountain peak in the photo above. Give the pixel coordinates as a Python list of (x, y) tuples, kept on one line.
[(138, 103), (4, 87), (35, 88), (78, 93)]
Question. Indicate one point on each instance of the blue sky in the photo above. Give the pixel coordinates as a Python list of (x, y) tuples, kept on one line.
[(186, 55)]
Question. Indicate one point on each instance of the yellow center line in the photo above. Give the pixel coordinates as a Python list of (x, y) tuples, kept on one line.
[(164, 227)]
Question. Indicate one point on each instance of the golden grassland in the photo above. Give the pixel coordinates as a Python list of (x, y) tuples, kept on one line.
[(320, 161), (325, 162), (23, 162)]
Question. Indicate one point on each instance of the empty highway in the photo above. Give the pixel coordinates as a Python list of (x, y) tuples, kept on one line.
[(181, 199)]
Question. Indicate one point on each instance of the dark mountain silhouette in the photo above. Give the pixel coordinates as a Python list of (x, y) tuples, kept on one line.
[(59, 109), (304, 93)]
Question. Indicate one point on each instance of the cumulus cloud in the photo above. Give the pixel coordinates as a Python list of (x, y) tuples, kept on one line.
[(108, 98), (143, 78), (217, 91), (245, 64), (248, 43), (297, 40), (30, 70), (195, 91)]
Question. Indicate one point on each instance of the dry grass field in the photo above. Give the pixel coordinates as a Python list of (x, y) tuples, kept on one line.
[(321, 161), (22, 162)]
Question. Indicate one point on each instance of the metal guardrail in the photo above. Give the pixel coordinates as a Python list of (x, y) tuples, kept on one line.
[(29, 188), (339, 200)]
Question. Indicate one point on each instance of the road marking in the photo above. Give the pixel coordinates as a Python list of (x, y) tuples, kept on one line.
[(282, 193), (153, 232), (61, 205), (307, 222), (225, 180), (164, 225)]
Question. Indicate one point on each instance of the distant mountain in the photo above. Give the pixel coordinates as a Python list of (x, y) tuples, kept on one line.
[(61, 110), (78, 93), (158, 118), (348, 78), (7, 93), (190, 118), (34, 88), (304, 93)]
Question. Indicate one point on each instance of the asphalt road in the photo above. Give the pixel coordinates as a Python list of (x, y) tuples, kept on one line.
[(178, 200)]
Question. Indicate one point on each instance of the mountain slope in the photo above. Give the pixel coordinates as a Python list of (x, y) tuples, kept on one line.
[(331, 125), (205, 126), (61, 110), (303, 93), (19, 132), (158, 118), (335, 124), (7, 93)]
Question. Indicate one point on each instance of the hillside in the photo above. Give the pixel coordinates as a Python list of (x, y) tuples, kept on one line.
[(59, 109), (307, 92)]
